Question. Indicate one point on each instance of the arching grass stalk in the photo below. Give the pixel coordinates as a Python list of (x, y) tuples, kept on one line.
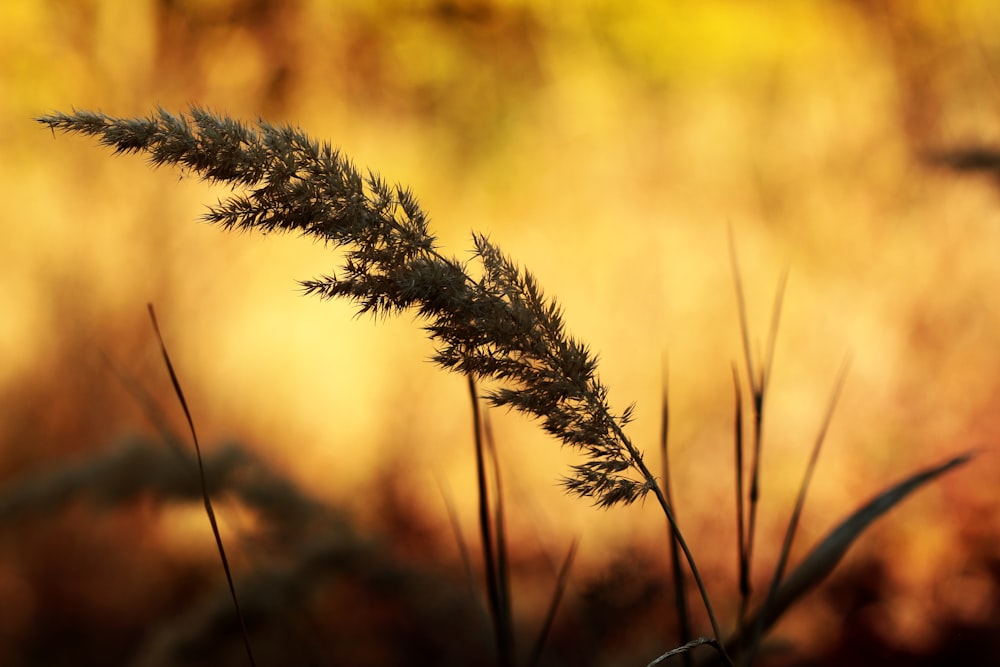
[(492, 323), (640, 465)]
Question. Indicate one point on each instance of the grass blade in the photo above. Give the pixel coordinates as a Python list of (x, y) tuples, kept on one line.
[(758, 378), (494, 593), (500, 532), (680, 590), (557, 596), (772, 333), (757, 383), (204, 486), (828, 553), (743, 562), (793, 522), (686, 648), (463, 550)]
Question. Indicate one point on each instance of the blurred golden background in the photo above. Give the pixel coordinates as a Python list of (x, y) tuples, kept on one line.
[(609, 147)]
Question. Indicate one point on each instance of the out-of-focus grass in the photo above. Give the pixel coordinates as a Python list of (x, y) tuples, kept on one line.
[(608, 150)]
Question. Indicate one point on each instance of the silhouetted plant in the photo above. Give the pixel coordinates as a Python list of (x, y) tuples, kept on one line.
[(489, 320)]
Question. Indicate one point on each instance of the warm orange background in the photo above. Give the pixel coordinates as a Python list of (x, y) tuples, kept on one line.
[(607, 146)]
